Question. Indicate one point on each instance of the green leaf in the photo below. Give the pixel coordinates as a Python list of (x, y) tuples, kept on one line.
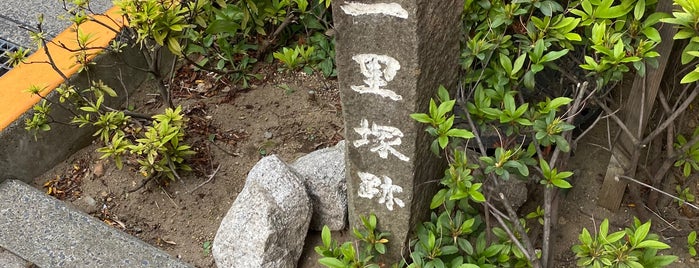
[(562, 143), (467, 225), (598, 32), (553, 55), (558, 102), (88, 109), (477, 196), (615, 236), (545, 168), (683, 34), (639, 9), (538, 51), (506, 63), (448, 250), (174, 45), (519, 62), (573, 37), (460, 133), (332, 262), (690, 77), (433, 109), (443, 94), (537, 67), (652, 34), (529, 81), (325, 236), (585, 237), (652, 244), (619, 49), (662, 261), (380, 248), (560, 183), (445, 107), (109, 91), (653, 18), (521, 168), (564, 174), (438, 199), (422, 118), (641, 233), (443, 141)]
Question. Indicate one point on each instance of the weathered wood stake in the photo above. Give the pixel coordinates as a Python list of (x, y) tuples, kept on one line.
[(637, 110)]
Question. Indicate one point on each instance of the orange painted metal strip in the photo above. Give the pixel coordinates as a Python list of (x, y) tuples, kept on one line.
[(15, 101)]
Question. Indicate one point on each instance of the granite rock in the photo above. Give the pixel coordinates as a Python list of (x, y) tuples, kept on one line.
[(267, 224), (324, 174)]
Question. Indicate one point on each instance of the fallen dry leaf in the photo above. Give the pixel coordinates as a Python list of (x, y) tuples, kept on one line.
[(98, 169)]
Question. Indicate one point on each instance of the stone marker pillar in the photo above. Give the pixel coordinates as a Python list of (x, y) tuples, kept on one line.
[(391, 58)]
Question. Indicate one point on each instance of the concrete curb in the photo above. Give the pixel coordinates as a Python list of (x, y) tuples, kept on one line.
[(47, 232), (21, 156), (9, 260)]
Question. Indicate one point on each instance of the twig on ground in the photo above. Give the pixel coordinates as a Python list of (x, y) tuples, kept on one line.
[(169, 198), (657, 190), (207, 181), (224, 150), (141, 186), (661, 218)]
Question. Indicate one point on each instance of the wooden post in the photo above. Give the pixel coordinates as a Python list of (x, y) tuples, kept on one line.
[(625, 153)]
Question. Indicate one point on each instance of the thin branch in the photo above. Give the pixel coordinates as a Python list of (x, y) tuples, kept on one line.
[(667, 164), (525, 238), (618, 121), (143, 183), (224, 150), (657, 190), (169, 197), (207, 181), (268, 43), (674, 115), (199, 66), (173, 169), (639, 131), (499, 217)]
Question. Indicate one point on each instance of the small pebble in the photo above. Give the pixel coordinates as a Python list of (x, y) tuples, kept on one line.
[(562, 220), (268, 135), (90, 201)]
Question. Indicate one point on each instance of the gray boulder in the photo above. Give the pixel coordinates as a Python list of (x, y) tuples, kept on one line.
[(267, 224), (324, 174)]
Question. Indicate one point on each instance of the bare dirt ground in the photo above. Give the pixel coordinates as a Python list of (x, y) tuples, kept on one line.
[(231, 129), (234, 129)]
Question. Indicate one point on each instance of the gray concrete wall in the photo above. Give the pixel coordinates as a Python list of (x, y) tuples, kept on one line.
[(23, 158)]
